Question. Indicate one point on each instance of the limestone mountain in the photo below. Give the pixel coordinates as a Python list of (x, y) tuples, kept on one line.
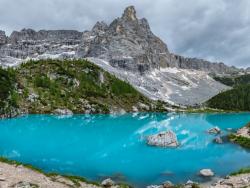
[(128, 42)]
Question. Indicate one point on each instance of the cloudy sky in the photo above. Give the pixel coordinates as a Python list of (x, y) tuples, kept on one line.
[(217, 30)]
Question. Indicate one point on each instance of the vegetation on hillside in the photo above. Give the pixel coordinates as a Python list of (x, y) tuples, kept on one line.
[(237, 99), (8, 99), (234, 81), (239, 139), (78, 85), (243, 141), (241, 171)]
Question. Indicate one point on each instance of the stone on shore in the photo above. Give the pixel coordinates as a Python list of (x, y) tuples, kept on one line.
[(108, 183), (163, 139), (206, 173), (62, 112), (214, 130), (167, 184)]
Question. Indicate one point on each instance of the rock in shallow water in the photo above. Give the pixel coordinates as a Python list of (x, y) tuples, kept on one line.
[(218, 140), (214, 130), (163, 139), (206, 173)]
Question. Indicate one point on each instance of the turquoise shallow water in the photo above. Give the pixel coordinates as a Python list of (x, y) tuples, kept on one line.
[(97, 146)]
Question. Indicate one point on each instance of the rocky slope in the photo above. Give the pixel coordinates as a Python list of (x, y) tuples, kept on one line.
[(130, 48), (175, 86)]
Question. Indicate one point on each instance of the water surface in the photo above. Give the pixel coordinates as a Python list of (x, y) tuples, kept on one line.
[(99, 146)]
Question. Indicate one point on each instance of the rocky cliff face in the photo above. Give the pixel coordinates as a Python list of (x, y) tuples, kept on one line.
[(29, 44), (203, 65), (3, 38)]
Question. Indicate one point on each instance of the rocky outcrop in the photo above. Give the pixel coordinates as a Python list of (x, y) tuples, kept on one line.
[(203, 65), (29, 44), (3, 38), (244, 131), (163, 139)]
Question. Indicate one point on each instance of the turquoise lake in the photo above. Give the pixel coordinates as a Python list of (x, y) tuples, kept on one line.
[(99, 146)]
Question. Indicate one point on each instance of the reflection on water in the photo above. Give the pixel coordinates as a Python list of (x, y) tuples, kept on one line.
[(98, 146)]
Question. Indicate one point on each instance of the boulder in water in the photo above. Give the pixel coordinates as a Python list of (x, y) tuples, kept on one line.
[(214, 130), (163, 139), (206, 173)]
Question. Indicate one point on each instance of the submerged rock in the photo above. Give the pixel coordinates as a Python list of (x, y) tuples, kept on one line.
[(108, 182), (218, 140), (214, 130), (206, 173), (163, 139)]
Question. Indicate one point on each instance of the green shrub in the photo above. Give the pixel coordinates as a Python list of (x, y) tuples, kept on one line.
[(241, 171)]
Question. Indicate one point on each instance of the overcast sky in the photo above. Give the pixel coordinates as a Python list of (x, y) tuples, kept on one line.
[(217, 30)]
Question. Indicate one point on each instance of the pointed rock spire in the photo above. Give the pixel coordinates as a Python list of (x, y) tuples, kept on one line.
[(100, 26), (3, 38), (129, 13)]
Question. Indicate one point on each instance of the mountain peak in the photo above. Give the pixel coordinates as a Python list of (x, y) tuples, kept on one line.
[(129, 13)]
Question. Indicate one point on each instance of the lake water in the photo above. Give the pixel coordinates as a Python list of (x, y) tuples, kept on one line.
[(99, 146)]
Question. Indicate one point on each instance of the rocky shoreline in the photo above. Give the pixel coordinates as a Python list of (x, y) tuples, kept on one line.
[(14, 174)]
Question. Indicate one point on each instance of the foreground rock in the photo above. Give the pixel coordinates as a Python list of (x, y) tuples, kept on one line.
[(108, 183), (163, 139), (239, 181), (206, 173)]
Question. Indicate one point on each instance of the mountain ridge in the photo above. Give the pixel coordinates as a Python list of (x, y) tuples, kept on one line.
[(77, 37)]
